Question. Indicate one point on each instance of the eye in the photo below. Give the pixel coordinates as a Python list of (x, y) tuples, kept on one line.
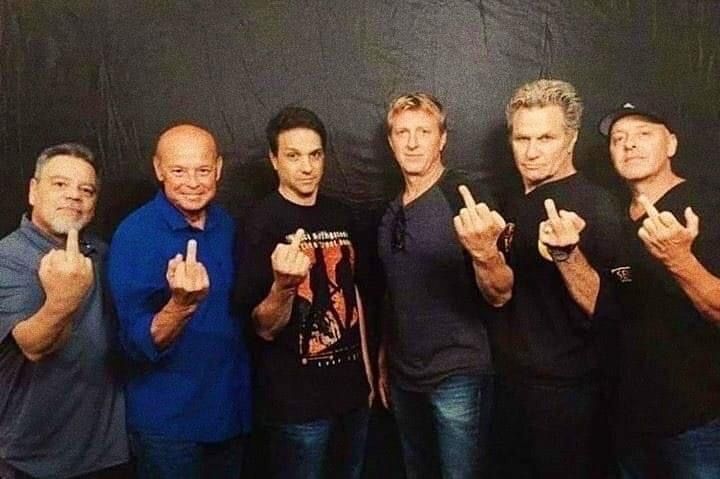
[(177, 171), (205, 171), (87, 191), (59, 183), (316, 155)]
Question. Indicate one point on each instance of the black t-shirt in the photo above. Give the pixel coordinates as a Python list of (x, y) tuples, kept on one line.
[(313, 368), (436, 322), (546, 335), (670, 375)]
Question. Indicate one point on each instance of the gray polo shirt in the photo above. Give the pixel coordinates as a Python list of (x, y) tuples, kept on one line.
[(64, 415)]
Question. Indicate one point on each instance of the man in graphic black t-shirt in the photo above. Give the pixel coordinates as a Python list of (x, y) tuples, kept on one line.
[(313, 377), (668, 401)]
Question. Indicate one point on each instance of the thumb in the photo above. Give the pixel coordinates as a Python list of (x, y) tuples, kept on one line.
[(692, 222)]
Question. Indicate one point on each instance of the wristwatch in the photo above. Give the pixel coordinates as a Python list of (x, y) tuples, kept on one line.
[(561, 253)]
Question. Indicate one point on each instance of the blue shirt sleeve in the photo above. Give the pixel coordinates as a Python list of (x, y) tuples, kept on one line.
[(136, 277)]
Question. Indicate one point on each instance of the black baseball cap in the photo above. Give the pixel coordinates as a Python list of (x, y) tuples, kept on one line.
[(654, 114)]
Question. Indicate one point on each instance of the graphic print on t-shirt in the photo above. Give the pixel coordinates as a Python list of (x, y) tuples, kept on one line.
[(326, 302)]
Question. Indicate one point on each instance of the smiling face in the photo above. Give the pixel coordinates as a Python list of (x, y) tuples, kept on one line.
[(641, 149), (299, 164), (417, 141), (63, 195), (542, 145), (187, 164)]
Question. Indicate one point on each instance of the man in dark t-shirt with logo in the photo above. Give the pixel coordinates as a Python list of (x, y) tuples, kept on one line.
[(668, 401), (313, 375)]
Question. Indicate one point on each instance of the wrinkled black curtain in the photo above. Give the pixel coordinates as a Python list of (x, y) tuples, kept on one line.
[(114, 73)]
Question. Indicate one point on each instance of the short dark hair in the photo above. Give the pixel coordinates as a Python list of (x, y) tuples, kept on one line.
[(76, 150), (292, 117)]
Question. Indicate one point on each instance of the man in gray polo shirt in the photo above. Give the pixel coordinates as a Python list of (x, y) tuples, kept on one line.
[(61, 411)]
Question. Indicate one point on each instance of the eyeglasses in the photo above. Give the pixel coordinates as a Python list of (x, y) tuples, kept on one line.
[(399, 225)]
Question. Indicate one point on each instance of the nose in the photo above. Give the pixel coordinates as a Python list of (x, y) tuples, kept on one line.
[(73, 193), (192, 179), (532, 149), (306, 165), (412, 141), (631, 142)]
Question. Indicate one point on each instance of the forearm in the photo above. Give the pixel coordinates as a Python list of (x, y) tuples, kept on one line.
[(581, 280), (364, 341), (273, 313), (494, 279), (700, 285), (43, 332), (169, 322)]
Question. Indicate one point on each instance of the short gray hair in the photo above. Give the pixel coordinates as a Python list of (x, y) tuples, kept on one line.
[(547, 92)]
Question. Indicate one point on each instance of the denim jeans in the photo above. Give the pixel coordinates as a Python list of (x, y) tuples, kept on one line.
[(546, 429), (158, 457), (303, 450), (444, 432), (693, 454)]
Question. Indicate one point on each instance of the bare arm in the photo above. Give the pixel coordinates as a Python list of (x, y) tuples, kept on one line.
[(290, 268), (558, 239), (478, 229), (189, 284), (581, 280), (273, 313), (365, 350), (671, 243), (66, 276)]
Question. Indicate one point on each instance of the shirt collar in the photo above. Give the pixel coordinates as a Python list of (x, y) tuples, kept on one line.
[(45, 242), (176, 220)]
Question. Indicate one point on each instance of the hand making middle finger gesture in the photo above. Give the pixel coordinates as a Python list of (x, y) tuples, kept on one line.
[(561, 230), (188, 279), (478, 227), (289, 263), (66, 275), (664, 236)]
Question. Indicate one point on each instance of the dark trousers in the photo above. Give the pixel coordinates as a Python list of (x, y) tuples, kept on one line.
[(553, 430), (159, 457)]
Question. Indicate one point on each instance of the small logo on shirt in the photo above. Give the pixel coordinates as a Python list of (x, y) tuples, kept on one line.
[(622, 274)]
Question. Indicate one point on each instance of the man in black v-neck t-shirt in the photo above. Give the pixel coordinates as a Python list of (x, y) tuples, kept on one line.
[(668, 398)]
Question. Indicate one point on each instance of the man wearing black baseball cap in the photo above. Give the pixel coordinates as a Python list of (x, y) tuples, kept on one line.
[(668, 412)]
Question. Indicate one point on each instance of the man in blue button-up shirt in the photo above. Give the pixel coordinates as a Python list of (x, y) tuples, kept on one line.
[(171, 271)]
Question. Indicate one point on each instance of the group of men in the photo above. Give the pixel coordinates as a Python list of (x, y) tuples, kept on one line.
[(521, 337)]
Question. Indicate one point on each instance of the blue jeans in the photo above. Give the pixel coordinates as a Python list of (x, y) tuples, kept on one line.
[(444, 432), (693, 454), (158, 457), (302, 450)]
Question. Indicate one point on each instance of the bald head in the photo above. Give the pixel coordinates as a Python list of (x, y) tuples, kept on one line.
[(183, 137), (187, 164)]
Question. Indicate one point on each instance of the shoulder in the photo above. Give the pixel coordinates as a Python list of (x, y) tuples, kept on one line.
[(478, 186), (16, 253), (142, 218)]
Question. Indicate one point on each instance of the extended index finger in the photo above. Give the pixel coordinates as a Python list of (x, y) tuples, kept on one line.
[(191, 254), (650, 209), (467, 196), (551, 210), (297, 238), (72, 245)]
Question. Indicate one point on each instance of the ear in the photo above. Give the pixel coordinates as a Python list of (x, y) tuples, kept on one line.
[(32, 191), (672, 145), (158, 171), (573, 140), (443, 140), (273, 160), (218, 167)]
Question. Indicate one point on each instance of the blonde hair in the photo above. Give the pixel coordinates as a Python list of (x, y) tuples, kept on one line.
[(547, 92), (417, 101)]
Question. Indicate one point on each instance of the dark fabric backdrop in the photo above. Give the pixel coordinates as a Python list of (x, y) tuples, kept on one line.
[(113, 74)]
